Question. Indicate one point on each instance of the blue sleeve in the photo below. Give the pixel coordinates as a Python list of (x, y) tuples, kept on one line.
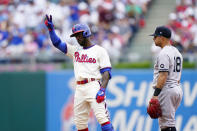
[(57, 42), (106, 69)]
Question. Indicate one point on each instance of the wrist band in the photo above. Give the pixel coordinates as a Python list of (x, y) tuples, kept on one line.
[(157, 91)]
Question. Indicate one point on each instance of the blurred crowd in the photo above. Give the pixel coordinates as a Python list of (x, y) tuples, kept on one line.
[(183, 23), (113, 24)]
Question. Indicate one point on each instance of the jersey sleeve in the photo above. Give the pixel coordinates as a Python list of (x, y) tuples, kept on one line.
[(104, 60), (71, 49), (163, 62)]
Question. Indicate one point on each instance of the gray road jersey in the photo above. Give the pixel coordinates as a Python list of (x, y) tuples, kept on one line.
[(170, 60)]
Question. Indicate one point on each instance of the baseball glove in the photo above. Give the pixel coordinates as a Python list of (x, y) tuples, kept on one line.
[(154, 109)]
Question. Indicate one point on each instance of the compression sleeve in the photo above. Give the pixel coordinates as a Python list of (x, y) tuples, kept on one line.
[(57, 42)]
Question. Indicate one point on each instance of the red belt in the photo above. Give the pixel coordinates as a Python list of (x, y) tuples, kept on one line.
[(86, 80)]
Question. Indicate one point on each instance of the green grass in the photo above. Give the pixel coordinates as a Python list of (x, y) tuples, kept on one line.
[(134, 65), (147, 65), (189, 65)]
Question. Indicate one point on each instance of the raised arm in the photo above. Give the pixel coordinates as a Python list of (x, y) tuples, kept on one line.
[(54, 38)]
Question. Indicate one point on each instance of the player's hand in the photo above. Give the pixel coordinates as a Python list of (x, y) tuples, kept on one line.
[(48, 22), (100, 96)]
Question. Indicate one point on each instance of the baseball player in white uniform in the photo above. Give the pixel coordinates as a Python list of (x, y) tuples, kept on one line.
[(92, 70), (166, 81)]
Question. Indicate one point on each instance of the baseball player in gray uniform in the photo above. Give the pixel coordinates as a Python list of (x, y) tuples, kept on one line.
[(92, 70), (166, 82)]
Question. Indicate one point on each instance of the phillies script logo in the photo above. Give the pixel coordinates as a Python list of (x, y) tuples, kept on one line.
[(84, 58)]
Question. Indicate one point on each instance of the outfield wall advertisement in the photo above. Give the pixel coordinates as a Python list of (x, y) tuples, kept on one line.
[(128, 94)]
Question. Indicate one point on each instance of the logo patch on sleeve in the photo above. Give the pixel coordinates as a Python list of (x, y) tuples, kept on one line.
[(162, 66)]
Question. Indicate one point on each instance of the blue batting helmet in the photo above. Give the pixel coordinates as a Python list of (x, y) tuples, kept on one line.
[(81, 28)]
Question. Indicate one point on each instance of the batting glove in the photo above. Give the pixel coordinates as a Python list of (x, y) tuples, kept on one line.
[(48, 22), (100, 96)]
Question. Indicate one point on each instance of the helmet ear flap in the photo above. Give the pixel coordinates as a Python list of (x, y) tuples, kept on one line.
[(85, 33)]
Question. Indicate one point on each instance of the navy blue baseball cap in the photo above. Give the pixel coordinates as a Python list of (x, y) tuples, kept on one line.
[(162, 31)]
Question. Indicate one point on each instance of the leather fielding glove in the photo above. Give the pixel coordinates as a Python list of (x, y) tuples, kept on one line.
[(154, 109)]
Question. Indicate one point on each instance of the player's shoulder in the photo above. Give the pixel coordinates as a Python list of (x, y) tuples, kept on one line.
[(98, 47), (168, 49), (164, 51)]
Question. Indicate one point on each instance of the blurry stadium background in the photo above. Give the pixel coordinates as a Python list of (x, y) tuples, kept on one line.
[(37, 80)]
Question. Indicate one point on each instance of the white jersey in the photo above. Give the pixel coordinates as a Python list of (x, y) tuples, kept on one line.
[(88, 61), (170, 60)]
